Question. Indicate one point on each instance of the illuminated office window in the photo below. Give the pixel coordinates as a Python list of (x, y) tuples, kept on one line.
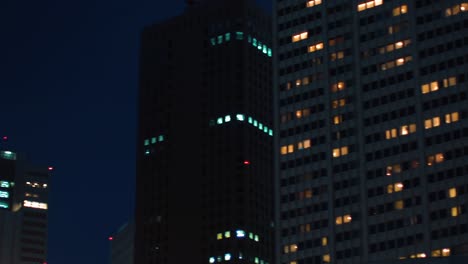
[(4, 194), (452, 117), (455, 211), (456, 9), (219, 236), (343, 219), (290, 248), (339, 86), (399, 205), (305, 144), (337, 119), (394, 46), (284, 150), (326, 258), (369, 5), (403, 9), (445, 252), (312, 3), (300, 36), (451, 81), (337, 152), (324, 241), (436, 158), (395, 63), (337, 55), (432, 122), (338, 103), (452, 192), (396, 187), (315, 47)]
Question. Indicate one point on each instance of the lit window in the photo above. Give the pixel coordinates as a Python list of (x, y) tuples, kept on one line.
[(153, 140), (451, 81), (432, 122), (312, 3), (290, 148), (212, 260), (239, 35), (4, 205), (240, 233), (336, 40), (219, 236), (397, 187), (324, 241), (338, 103), (445, 252), (337, 152), (457, 9), (337, 119), (219, 121), (227, 256), (290, 248), (36, 205), (452, 117), (227, 36), (339, 86), (400, 10), (4, 184), (147, 142), (284, 150), (300, 36), (337, 55), (4, 194), (316, 47), (220, 39), (256, 238), (398, 62), (240, 117), (455, 211), (343, 219), (227, 118), (369, 4), (399, 205), (432, 159), (452, 192), (227, 234)]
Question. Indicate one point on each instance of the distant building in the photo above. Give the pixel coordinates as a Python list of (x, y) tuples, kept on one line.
[(122, 244), (373, 129), (205, 140), (24, 192)]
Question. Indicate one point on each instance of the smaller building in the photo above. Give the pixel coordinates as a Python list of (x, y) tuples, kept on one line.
[(447, 260), (121, 244)]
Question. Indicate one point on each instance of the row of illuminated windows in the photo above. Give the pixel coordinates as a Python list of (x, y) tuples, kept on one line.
[(435, 85), (302, 81), (435, 158), (401, 131), (242, 118), (240, 36), (153, 140), (303, 144), (36, 185), (232, 257), (400, 10), (369, 5), (395, 63), (301, 113), (436, 121), (386, 48), (456, 9), (238, 234), (34, 204)]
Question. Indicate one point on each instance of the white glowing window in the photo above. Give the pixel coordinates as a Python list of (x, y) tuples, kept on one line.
[(4, 184), (240, 117), (212, 260), (33, 204), (227, 256), (240, 233), (227, 234), (227, 118), (4, 194)]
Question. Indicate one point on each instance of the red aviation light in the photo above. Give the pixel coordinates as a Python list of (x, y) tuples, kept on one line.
[(50, 168), (111, 238), (246, 162)]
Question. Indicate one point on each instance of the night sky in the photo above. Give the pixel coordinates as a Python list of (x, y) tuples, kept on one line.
[(68, 82)]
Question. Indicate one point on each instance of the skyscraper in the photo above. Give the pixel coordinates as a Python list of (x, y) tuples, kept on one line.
[(373, 132), (24, 191), (204, 162)]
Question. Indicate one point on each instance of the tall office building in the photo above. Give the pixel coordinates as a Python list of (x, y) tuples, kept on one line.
[(24, 191), (204, 162), (122, 244), (372, 155)]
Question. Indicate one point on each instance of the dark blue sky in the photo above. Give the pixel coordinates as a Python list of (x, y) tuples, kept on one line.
[(68, 82)]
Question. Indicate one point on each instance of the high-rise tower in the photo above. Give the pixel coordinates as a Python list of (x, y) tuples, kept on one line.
[(372, 154), (204, 162)]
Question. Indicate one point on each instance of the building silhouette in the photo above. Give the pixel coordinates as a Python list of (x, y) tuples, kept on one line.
[(122, 244), (372, 161), (24, 195), (205, 140)]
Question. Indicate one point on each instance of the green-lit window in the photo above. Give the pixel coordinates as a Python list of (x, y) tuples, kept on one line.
[(254, 42), (147, 152), (259, 46), (212, 123), (220, 39), (240, 35), (251, 235), (270, 53), (227, 118), (256, 238), (219, 121), (240, 117), (270, 132), (227, 256), (153, 140), (161, 138), (249, 39), (4, 205), (265, 49), (4, 184), (213, 41), (227, 36), (260, 126), (4, 194), (147, 142), (257, 261), (212, 260), (265, 129), (250, 120), (227, 234)]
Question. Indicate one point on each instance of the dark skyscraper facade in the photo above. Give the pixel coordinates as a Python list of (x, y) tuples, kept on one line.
[(205, 142), (372, 129)]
